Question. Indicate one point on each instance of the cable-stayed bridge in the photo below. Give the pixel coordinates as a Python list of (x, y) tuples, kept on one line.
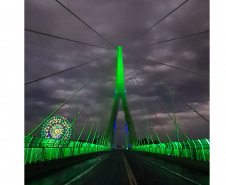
[(96, 134)]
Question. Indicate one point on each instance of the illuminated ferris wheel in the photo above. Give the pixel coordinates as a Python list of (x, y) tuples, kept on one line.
[(56, 127)]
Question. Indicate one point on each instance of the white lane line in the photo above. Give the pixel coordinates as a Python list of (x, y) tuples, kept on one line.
[(85, 172), (129, 171), (173, 172)]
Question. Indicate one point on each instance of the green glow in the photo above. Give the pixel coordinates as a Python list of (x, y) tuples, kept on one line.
[(98, 136), (91, 128), (179, 127), (55, 127), (81, 132), (31, 155), (53, 149), (84, 126), (186, 154), (202, 150), (95, 133), (76, 117), (197, 157), (57, 108), (41, 149), (193, 149), (101, 140), (120, 94), (163, 128), (120, 83), (156, 135), (37, 152), (152, 139), (90, 132)]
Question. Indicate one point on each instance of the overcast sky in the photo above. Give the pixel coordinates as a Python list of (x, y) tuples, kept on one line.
[(120, 22)]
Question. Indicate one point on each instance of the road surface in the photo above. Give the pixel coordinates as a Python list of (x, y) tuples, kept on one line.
[(123, 168)]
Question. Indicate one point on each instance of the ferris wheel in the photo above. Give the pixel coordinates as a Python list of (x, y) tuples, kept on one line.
[(56, 127)]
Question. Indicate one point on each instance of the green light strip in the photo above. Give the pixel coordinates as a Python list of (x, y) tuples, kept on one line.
[(51, 150), (195, 149), (47, 142), (147, 138), (190, 148), (147, 134), (101, 138), (185, 148), (31, 155), (84, 125), (104, 139), (94, 122), (162, 128), (90, 132), (157, 135), (40, 154), (75, 119), (95, 133), (202, 150), (141, 142), (77, 115), (98, 137), (57, 108), (152, 139), (179, 128), (91, 128)]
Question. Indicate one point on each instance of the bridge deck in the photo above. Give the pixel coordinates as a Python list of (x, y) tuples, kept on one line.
[(124, 167)]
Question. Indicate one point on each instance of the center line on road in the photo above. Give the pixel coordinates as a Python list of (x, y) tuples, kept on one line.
[(173, 172), (132, 180), (85, 172)]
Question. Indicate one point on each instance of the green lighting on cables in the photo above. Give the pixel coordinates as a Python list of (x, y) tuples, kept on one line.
[(58, 108), (95, 133), (91, 129), (84, 126), (179, 127)]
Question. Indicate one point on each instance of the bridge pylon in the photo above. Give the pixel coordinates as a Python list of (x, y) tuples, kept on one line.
[(120, 93)]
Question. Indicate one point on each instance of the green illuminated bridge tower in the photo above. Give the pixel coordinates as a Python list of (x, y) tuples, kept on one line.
[(120, 93)]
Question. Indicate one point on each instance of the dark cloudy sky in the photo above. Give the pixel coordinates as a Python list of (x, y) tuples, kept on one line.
[(120, 22)]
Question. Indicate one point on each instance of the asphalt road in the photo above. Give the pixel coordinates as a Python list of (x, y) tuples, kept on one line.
[(122, 168)]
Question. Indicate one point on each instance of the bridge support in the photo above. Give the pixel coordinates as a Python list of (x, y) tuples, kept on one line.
[(120, 93)]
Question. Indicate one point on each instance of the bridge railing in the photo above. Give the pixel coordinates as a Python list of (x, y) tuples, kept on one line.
[(194, 149), (40, 149)]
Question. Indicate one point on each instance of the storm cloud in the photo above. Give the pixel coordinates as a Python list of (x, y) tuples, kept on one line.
[(120, 22)]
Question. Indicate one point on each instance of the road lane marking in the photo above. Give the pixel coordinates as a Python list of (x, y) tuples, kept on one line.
[(173, 172), (132, 180), (128, 174), (85, 172)]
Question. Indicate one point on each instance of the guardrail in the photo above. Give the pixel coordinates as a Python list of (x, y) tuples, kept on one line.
[(40, 149), (194, 149)]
